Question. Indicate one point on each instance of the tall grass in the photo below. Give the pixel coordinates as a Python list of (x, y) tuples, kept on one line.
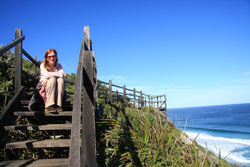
[(147, 138)]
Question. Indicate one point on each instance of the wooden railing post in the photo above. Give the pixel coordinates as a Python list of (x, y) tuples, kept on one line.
[(141, 99), (124, 95), (149, 100), (18, 61), (165, 98), (87, 42), (110, 92), (134, 97), (157, 101), (75, 149), (88, 148), (117, 96), (106, 95)]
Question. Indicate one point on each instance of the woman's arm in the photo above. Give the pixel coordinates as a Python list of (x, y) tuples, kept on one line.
[(46, 74)]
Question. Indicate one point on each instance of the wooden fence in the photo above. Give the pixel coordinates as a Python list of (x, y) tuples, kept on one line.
[(114, 93)]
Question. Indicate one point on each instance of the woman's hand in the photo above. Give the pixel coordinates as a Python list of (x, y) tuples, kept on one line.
[(44, 83), (61, 74)]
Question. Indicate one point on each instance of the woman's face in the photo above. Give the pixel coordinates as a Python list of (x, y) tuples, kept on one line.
[(51, 58)]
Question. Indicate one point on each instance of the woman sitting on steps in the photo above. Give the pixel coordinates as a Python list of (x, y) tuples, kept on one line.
[(52, 79)]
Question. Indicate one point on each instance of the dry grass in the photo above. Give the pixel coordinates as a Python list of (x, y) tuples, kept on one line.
[(147, 138)]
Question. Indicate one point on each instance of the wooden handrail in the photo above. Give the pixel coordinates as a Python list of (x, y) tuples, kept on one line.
[(117, 86), (74, 157), (30, 58), (11, 45), (82, 147), (5, 114)]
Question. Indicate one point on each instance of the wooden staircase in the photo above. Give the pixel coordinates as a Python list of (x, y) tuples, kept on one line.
[(39, 139), (54, 130)]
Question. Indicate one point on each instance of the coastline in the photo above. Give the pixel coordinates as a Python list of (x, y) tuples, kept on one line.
[(222, 129)]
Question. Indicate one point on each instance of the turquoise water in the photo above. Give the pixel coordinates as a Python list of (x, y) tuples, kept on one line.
[(225, 128)]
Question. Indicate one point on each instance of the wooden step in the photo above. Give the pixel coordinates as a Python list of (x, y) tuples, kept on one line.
[(26, 102), (60, 162), (47, 143), (42, 113), (39, 127)]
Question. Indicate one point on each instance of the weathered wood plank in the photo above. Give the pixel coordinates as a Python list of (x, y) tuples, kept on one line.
[(11, 45), (134, 97), (117, 96), (18, 61), (30, 58), (39, 127), (110, 92), (60, 162), (48, 143), (87, 42), (165, 98), (42, 113), (65, 103), (11, 107), (106, 95), (88, 123), (124, 95), (75, 145)]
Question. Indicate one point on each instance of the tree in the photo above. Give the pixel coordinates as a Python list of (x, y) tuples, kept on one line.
[(7, 78)]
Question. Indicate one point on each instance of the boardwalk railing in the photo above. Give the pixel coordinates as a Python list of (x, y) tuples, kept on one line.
[(114, 93), (19, 50), (18, 80), (83, 147)]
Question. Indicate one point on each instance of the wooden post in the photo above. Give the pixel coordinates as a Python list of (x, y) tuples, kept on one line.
[(149, 100), (75, 149), (88, 148), (157, 101), (165, 105), (110, 92), (124, 95), (106, 95), (18, 61), (134, 98), (87, 42), (141, 99)]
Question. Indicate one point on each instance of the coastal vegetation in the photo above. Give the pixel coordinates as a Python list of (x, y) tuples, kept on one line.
[(133, 137), (7, 78), (125, 136)]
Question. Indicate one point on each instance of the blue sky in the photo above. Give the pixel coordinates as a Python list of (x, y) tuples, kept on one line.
[(197, 52)]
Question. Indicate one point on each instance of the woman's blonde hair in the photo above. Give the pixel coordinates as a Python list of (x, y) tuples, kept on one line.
[(46, 64)]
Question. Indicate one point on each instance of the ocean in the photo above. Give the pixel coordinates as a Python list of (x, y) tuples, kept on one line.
[(224, 128)]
